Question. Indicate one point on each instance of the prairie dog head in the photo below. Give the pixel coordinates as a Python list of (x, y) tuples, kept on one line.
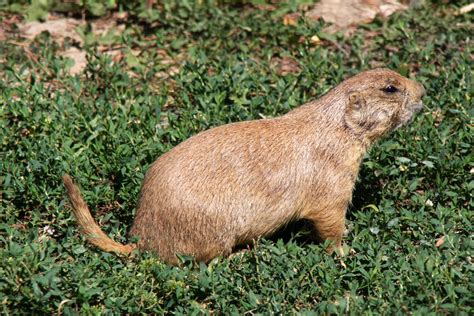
[(379, 101)]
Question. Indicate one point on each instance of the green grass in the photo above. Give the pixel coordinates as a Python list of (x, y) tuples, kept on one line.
[(108, 125)]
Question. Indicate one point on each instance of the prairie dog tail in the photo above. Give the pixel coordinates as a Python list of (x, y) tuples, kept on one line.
[(87, 224)]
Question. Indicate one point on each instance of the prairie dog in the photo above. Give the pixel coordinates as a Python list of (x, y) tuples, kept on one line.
[(232, 184)]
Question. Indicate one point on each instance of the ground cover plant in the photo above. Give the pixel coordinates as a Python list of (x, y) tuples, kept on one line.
[(411, 219)]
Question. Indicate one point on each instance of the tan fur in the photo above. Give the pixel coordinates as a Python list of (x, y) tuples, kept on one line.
[(235, 183)]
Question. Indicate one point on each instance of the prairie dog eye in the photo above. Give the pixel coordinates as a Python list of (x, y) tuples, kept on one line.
[(390, 89)]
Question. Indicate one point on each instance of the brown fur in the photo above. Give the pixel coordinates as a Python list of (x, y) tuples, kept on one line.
[(235, 183)]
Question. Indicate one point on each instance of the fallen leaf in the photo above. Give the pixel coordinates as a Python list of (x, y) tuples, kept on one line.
[(117, 54), (343, 264), (315, 40), (291, 19), (439, 242), (265, 7), (371, 33), (19, 226), (392, 48), (285, 65)]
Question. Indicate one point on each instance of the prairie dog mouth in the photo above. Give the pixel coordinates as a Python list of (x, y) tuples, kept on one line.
[(409, 115), (417, 106)]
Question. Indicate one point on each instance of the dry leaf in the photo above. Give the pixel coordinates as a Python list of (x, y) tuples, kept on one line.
[(343, 264), (440, 241), (291, 19), (315, 40), (116, 53), (371, 33), (285, 65), (265, 7), (392, 48)]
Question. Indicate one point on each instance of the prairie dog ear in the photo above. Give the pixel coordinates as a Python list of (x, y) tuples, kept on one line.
[(356, 101), (355, 115)]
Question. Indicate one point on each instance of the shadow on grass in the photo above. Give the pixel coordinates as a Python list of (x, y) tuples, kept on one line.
[(367, 191)]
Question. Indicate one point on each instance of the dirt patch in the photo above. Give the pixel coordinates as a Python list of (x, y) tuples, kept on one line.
[(346, 15), (62, 29)]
